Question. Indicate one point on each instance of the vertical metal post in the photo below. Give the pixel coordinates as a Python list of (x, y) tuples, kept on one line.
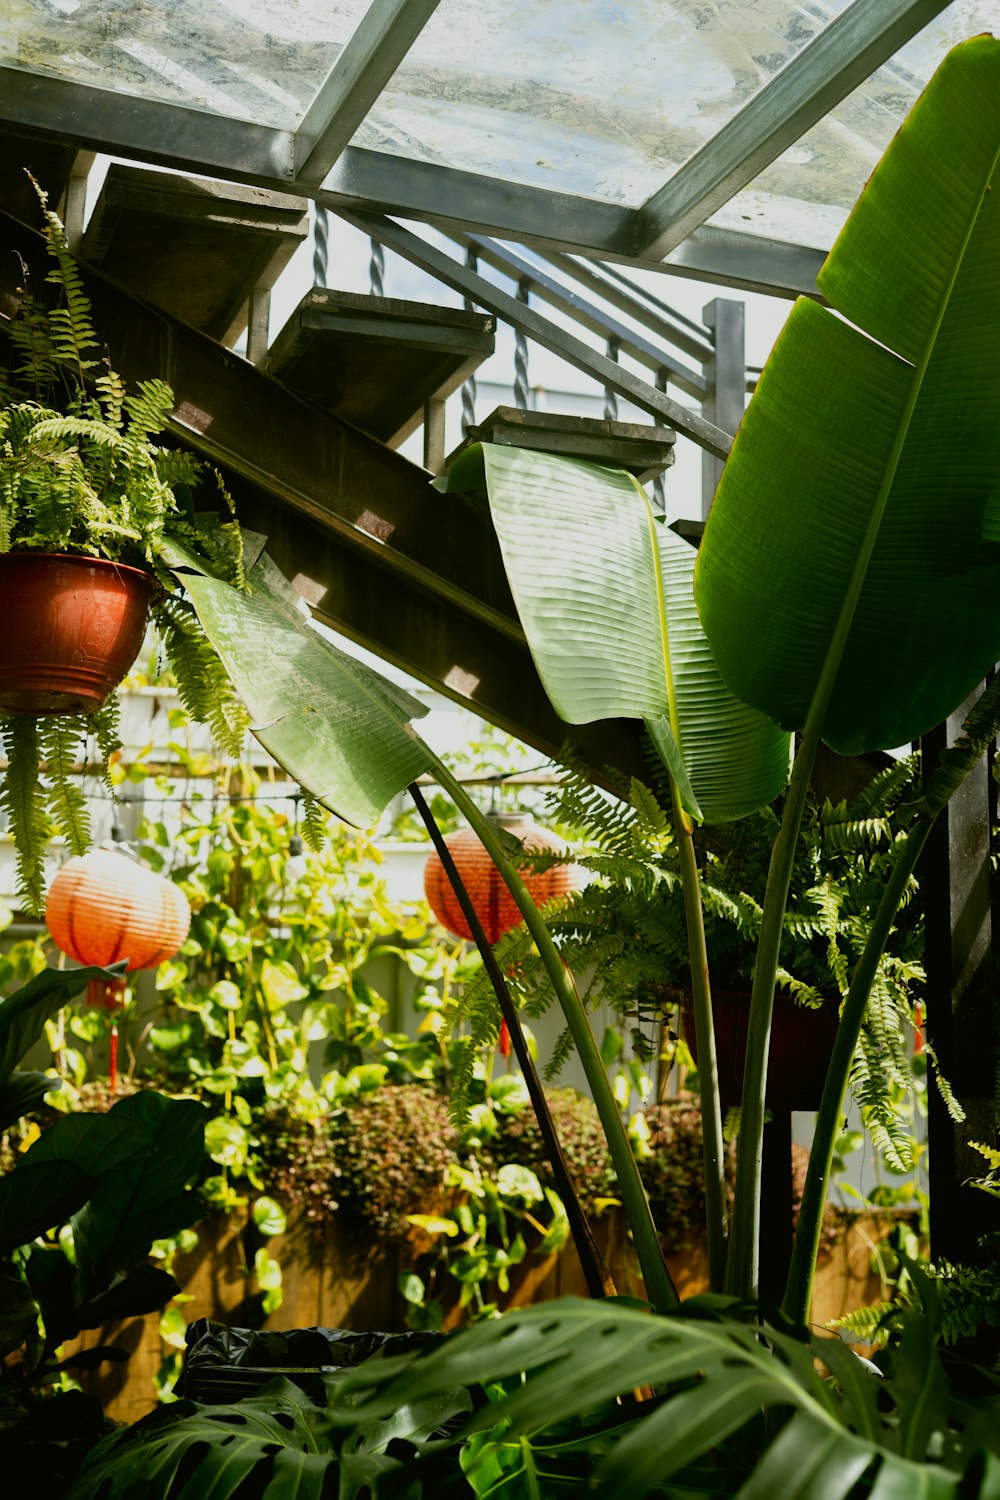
[(726, 374), (956, 884), (258, 321), (434, 435)]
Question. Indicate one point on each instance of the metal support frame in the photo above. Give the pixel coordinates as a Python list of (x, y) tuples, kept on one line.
[(405, 243), (379, 44), (411, 574), (239, 151), (258, 324), (842, 55), (434, 439), (963, 1026), (726, 372), (584, 313)]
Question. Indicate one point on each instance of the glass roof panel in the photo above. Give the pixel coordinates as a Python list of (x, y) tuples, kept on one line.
[(599, 98), (257, 60), (804, 197)]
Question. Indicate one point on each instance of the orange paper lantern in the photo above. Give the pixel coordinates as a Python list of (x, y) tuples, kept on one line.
[(494, 904), (103, 907)]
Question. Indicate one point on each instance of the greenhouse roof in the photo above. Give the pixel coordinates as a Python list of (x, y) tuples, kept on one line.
[(723, 138)]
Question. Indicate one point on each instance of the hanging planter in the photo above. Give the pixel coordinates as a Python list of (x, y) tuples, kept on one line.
[(73, 626), (105, 906), (801, 1043)]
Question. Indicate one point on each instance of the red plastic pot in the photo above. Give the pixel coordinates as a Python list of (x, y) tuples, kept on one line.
[(72, 627), (801, 1043)]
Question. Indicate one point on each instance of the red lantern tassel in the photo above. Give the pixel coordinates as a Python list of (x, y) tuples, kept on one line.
[(503, 1045), (106, 993)]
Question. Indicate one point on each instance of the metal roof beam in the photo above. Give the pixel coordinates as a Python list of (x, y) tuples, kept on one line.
[(362, 181), (566, 345), (625, 295), (556, 294), (383, 37), (837, 60)]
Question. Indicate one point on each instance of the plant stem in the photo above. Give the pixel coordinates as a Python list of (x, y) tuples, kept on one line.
[(798, 1289), (742, 1269), (712, 1145), (596, 1274), (660, 1288)]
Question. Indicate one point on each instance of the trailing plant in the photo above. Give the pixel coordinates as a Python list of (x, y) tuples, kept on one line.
[(78, 1213), (83, 472)]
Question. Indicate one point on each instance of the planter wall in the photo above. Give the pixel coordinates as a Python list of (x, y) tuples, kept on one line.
[(333, 1283)]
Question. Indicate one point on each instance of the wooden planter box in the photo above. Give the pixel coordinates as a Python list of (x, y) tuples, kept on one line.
[(331, 1282)]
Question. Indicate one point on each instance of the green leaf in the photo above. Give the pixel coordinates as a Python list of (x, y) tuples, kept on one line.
[(227, 1142), (145, 1197), (604, 593), (23, 1014), (269, 1217), (24, 1092), (340, 729), (867, 466), (519, 1182), (274, 1439), (142, 1290), (18, 1313), (280, 984)]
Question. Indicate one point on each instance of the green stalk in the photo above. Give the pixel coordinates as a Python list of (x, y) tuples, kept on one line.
[(742, 1269), (716, 1218), (660, 1288), (798, 1289)]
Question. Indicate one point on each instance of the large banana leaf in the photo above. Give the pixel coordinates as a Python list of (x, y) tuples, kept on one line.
[(606, 598), (719, 1375), (338, 728), (867, 467)]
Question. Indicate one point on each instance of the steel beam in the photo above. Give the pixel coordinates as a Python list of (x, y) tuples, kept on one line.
[(411, 247), (848, 49), (414, 575), (728, 380), (383, 37), (628, 297), (584, 313), (171, 135)]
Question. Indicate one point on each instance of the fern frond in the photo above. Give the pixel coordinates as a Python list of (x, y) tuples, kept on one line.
[(23, 802), (59, 741), (202, 682), (314, 822)]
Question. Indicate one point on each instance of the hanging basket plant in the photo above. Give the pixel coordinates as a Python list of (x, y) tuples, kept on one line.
[(88, 498)]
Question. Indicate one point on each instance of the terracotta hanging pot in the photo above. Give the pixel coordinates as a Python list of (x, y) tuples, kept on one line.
[(72, 627), (801, 1043)]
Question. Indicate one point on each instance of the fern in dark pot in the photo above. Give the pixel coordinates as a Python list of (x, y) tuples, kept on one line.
[(88, 495)]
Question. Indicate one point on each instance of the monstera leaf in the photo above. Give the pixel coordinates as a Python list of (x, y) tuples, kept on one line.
[(715, 1373), (853, 547), (337, 727), (606, 597)]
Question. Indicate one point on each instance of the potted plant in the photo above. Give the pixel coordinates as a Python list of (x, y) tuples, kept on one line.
[(88, 495)]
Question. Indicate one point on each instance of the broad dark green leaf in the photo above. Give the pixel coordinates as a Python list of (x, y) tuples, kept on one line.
[(209, 1453), (605, 594), (143, 1289), (24, 1092), (868, 464), (23, 1015), (144, 1198), (337, 727), (18, 1313), (807, 1461)]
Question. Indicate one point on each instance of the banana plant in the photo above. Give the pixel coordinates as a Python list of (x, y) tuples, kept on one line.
[(607, 606), (858, 516), (343, 732)]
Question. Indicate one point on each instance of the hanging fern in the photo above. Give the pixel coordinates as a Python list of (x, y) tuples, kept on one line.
[(59, 743), (202, 683), (23, 801)]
